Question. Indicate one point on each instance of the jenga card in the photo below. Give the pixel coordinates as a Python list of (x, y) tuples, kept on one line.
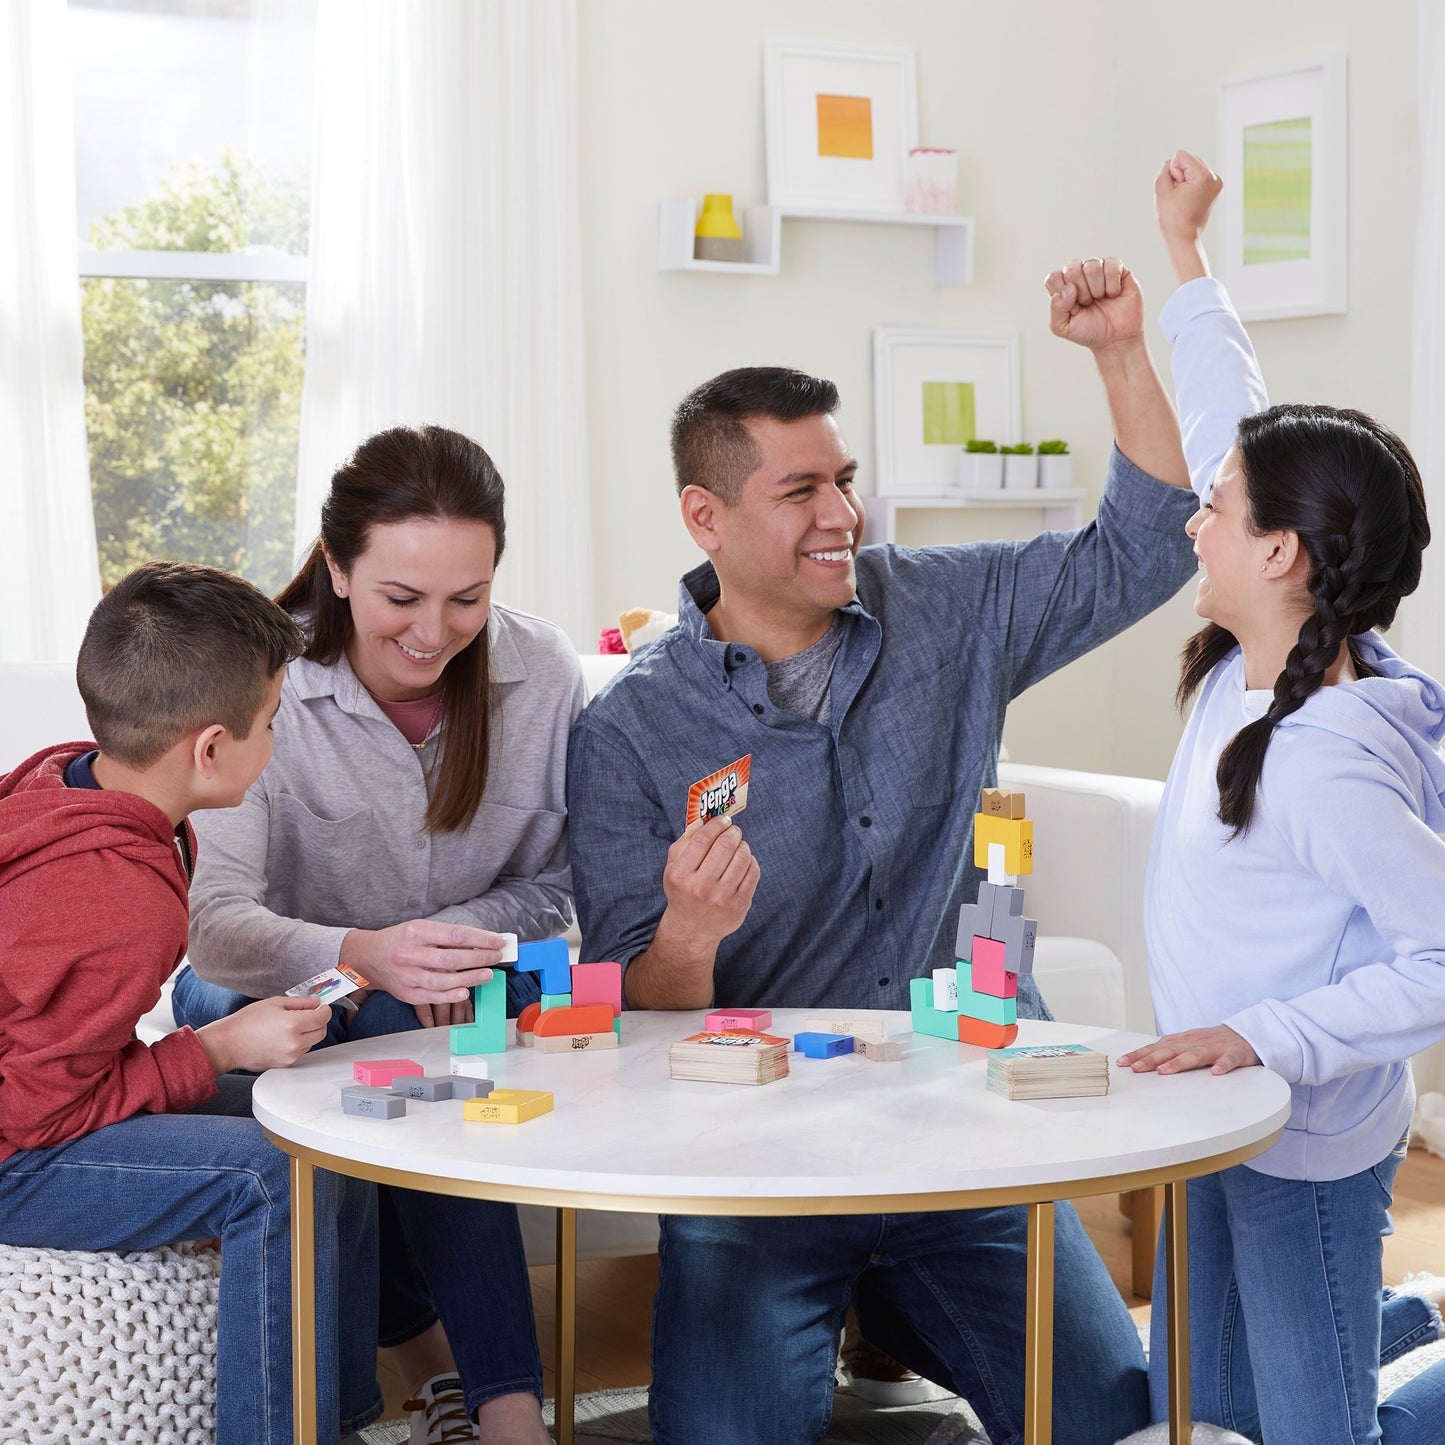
[(722, 792), (330, 986)]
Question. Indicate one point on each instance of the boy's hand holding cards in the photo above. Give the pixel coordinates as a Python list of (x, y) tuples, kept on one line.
[(720, 794), (331, 986)]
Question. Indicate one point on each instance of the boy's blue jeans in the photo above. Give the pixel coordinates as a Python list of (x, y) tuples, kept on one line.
[(460, 1260), (748, 1313), (157, 1179), (1287, 1328)]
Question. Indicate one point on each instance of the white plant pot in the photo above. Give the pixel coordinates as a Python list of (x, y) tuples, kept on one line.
[(1020, 473), (980, 471), (1056, 473)]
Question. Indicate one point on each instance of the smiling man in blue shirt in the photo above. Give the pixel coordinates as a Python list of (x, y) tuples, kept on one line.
[(870, 689)]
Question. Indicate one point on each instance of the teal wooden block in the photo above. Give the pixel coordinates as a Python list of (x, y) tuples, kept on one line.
[(468, 1039), (985, 1007), (489, 1005), (926, 1018), (617, 1028), (556, 1000)]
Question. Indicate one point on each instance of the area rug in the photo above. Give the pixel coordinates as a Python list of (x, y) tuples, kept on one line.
[(619, 1417)]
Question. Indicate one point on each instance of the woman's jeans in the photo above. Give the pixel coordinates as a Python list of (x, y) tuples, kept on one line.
[(157, 1179), (459, 1260), (1288, 1324)]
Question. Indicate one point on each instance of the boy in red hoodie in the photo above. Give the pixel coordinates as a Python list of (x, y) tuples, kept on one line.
[(105, 1142)]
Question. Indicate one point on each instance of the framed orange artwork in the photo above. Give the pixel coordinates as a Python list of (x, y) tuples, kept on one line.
[(840, 121)]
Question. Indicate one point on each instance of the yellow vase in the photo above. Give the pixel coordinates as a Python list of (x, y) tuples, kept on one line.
[(718, 236)]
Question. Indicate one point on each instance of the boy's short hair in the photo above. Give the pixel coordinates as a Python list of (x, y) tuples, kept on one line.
[(711, 445), (175, 647)]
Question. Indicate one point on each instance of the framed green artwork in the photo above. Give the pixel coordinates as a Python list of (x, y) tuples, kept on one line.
[(933, 392), (1283, 212)]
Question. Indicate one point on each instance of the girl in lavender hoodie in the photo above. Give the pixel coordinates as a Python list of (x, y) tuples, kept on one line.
[(1296, 900)]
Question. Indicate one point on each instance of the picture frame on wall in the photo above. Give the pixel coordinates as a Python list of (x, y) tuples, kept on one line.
[(1284, 211), (933, 391), (840, 123)]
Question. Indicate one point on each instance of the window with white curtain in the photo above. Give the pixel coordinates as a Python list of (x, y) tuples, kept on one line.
[(193, 123)]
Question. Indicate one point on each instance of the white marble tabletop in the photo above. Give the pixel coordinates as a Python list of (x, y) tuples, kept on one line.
[(833, 1129)]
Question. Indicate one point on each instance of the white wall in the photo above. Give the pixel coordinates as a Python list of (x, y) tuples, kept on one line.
[(1061, 118)]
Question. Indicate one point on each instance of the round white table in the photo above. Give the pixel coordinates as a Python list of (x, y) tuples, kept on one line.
[(837, 1136)]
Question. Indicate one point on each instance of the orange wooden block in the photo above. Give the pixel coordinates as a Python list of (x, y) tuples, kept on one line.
[(527, 1019), (984, 1035), (586, 1018)]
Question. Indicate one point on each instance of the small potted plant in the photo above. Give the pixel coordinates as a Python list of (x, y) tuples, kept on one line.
[(981, 466), (1020, 467), (1056, 466)]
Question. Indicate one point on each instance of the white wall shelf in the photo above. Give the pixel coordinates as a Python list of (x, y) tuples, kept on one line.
[(762, 239), (1061, 507)]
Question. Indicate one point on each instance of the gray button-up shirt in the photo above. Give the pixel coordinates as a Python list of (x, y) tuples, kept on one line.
[(330, 837), (863, 827)]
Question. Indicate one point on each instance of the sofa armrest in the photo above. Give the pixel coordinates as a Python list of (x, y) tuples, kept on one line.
[(1091, 851)]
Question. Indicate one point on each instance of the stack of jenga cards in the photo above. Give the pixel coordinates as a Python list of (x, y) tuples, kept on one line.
[(1048, 1071), (729, 1056)]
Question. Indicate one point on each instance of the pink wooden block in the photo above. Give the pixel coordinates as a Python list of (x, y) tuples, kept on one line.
[(382, 1071), (739, 1018), (598, 983), (989, 974)]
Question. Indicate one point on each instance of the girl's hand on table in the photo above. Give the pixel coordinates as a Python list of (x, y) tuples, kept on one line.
[(1220, 1050)]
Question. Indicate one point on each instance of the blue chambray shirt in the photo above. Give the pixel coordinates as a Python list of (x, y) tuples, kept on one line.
[(863, 828)]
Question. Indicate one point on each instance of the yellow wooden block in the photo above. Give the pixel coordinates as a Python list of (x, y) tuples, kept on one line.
[(1016, 835), (508, 1106), (998, 803)]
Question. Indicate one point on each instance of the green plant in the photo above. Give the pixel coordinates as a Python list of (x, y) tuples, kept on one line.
[(1019, 449), (1053, 449), (979, 444)]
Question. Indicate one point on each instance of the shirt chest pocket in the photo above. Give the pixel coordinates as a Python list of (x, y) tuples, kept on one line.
[(324, 870), (921, 729)]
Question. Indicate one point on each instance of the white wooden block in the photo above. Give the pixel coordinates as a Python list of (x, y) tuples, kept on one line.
[(945, 989), (469, 1066), (858, 1028), (879, 1050), (996, 873), (509, 952)]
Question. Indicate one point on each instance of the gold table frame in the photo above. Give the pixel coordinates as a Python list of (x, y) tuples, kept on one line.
[(1040, 1200)]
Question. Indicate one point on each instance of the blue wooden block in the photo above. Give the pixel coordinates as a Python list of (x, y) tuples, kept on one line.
[(489, 1008), (926, 1018), (822, 1046), (549, 958)]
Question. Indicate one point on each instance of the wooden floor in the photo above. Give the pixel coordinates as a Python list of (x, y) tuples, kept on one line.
[(615, 1296)]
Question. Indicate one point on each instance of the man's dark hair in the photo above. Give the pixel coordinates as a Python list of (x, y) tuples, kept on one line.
[(711, 445), (174, 647)]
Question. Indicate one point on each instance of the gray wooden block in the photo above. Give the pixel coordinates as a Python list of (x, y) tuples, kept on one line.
[(385, 1105), (429, 1090), (466, 1087)]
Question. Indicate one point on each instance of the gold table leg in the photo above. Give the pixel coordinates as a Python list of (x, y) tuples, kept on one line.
[(303, 1301), (566, 1324), (1176, 1262), (1039, 1327)]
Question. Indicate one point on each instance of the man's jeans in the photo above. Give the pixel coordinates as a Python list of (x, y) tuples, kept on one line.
[(160, 1178), (459, 1260), (748, 1313), (1287, 1329)]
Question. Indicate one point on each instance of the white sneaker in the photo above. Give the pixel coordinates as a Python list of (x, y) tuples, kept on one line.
[(439, 1414)]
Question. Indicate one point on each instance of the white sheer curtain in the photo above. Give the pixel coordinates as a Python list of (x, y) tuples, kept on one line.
[(445, 276), (47, 530), (1424, 617)]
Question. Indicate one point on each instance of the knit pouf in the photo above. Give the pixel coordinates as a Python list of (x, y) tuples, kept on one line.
[(108, 1347)]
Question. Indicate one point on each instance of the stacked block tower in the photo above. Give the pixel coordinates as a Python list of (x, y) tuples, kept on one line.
[(976, 1001)]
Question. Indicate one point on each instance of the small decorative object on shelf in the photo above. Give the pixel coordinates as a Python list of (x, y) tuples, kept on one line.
[(932, 181), (1020, 468), (1056, 466), (981, 466), (718, 236)]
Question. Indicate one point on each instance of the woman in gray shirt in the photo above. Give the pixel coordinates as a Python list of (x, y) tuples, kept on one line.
[(414, 809)]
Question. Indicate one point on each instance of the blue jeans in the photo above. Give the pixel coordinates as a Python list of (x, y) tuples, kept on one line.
[(157, 1179), (748, 1311), (1288, 1323), (457, 1260)]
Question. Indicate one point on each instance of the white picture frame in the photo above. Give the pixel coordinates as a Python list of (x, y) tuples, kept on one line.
[(1283, 241), (914, 457), (824, 105)]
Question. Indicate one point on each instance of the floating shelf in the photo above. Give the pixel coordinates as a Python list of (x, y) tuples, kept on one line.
[(1061, 507), (763, 244)]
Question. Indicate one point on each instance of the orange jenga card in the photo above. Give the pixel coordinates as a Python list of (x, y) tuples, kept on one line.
[(725, 791)]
